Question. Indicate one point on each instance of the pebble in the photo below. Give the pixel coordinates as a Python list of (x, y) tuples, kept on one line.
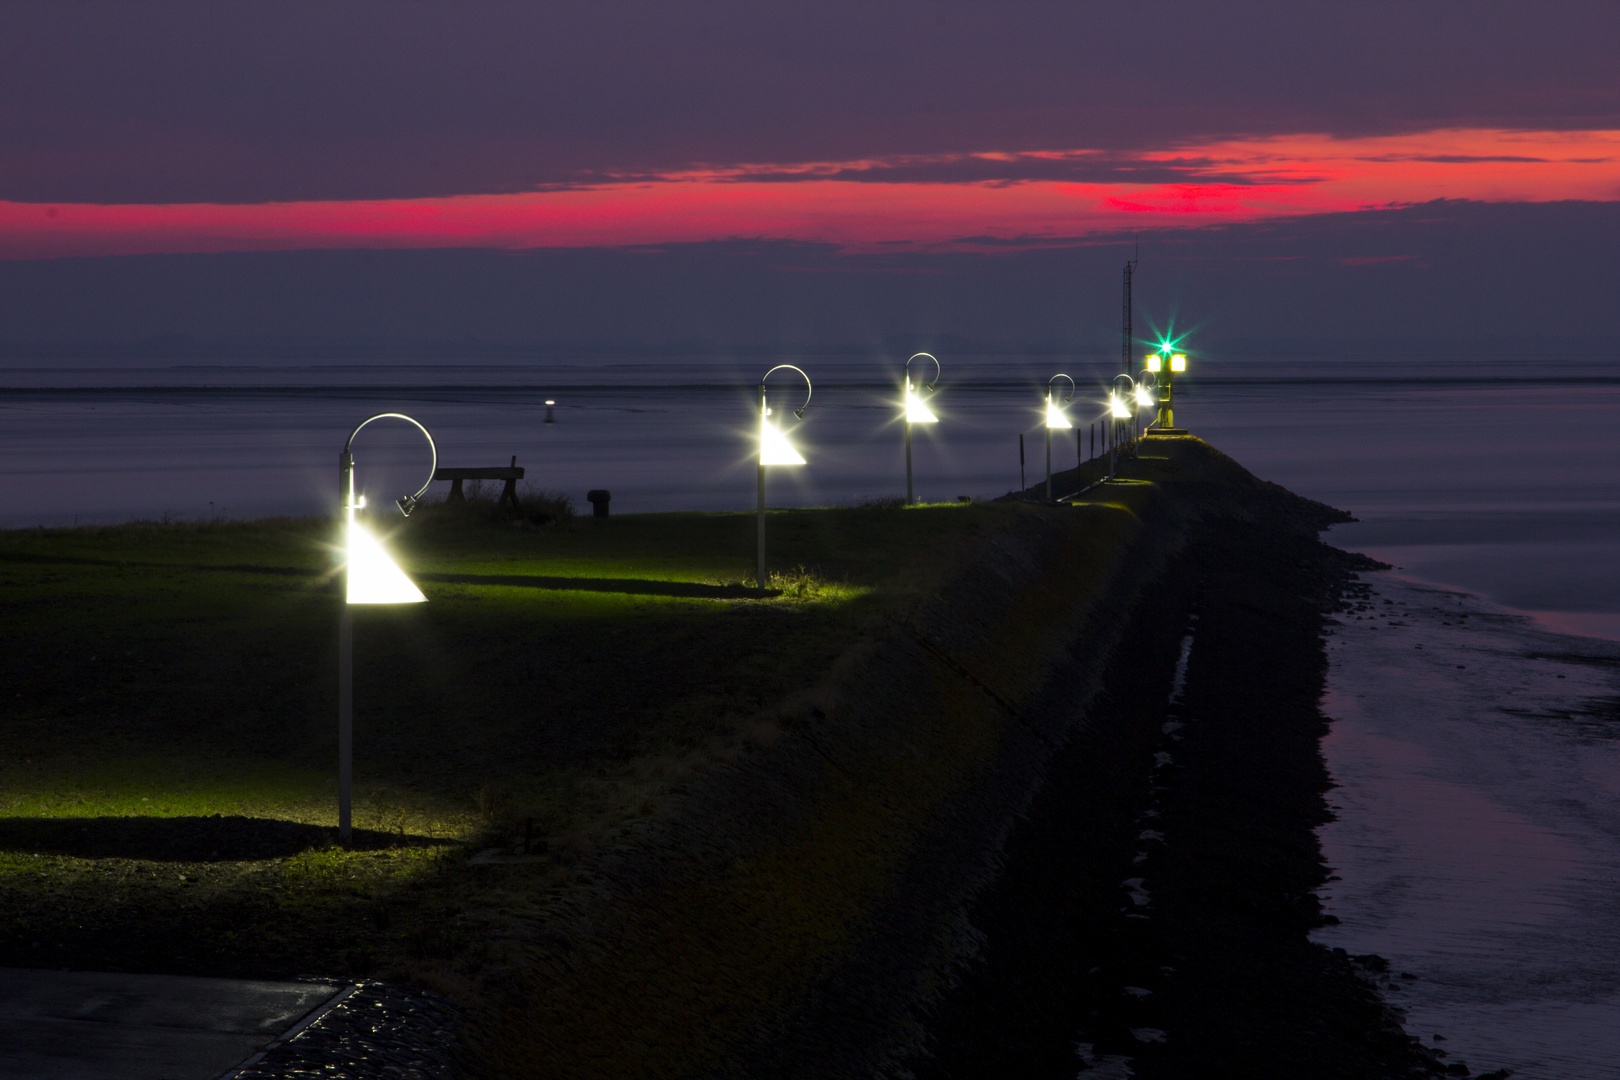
[(380, 1031)]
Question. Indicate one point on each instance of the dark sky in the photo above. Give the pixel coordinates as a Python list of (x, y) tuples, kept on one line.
[(935, 166)]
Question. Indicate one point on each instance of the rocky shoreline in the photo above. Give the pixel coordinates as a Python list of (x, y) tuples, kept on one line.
[(1153, 913), (371, 1031)]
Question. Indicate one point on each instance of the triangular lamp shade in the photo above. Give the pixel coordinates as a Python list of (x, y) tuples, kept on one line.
[(374, 577), (774, 448), (1055, 417), (1117, 407), (916, 411)]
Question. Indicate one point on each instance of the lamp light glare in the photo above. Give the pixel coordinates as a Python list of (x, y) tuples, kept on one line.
[(774, 447), (1154, 361), (1117, 407), (916, 411), (1178, 362), (1055, 417), (1144, 397), (374, 577)]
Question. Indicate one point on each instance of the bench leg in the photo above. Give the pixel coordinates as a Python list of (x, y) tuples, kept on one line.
[(509, 495), (456, 494)]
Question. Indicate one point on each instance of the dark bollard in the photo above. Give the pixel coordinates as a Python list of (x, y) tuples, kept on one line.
[(598, 498)]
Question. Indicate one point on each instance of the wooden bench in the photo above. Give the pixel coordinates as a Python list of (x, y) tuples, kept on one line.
[(511, 474)]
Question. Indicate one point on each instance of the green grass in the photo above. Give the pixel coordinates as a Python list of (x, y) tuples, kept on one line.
[(156, 676)]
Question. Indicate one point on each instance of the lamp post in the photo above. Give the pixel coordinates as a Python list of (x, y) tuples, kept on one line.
[(1144, 399), (1168, 364), (774, 449), (917, 412), (370, 576), (1120, 396), (1055, 418)]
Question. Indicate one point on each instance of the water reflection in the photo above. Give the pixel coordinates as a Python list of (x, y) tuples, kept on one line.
[(1478, 839)]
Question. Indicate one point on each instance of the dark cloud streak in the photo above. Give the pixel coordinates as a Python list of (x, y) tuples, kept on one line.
[(1440, 271), (171, 102)]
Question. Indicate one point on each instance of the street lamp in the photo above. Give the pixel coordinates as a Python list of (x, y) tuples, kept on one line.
[(917, 412), (1165, 364), (370, 576), (1143, 400), (774, 449), (1121, 396), (1055, 418)]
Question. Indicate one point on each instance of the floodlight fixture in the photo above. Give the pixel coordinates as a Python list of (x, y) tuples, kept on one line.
[(774, 449), (1178, 362), (370, 576)]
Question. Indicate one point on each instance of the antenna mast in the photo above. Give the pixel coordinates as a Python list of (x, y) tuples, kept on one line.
[(1125, 337)]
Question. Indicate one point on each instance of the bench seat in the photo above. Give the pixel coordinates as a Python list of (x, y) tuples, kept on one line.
[(509, 473)]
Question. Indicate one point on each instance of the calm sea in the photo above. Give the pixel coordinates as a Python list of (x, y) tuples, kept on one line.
[(1478, 839)]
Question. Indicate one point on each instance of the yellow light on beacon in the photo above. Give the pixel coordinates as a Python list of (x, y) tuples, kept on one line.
[(1117, 407), (374, 577), (1144, 397), (1154, 361), (774, 447), (916, 411), (1178, 362), (1055, 416)]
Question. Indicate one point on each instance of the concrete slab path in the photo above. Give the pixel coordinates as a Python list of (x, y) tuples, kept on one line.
[(76, 1025)]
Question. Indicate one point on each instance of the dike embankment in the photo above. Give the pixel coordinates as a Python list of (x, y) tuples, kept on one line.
[(1067, 798)]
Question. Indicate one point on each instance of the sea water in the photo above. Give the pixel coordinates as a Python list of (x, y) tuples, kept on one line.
[(1478, 834), (1477, 758)]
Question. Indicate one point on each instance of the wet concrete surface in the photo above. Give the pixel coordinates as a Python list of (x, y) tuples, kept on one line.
[(74, 1025)]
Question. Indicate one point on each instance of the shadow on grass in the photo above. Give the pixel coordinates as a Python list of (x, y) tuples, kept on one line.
[(642, 586), (38, 559), (186, 839)]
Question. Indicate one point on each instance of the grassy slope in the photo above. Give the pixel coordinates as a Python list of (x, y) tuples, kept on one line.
[(158, 676), (585, 677)]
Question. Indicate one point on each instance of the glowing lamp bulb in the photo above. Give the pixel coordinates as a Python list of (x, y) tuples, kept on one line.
[(774, 447), (1055, 417), (916, 411), (1144, 397), (1178, 362), (1154, 362), (374, 577), (1117, 407)]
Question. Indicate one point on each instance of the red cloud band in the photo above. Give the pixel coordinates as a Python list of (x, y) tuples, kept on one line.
[(863, 204)]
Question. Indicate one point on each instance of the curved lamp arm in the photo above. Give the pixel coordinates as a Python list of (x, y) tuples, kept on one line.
[(808, 389), (1069, 396), (406, 503), (929, 385)]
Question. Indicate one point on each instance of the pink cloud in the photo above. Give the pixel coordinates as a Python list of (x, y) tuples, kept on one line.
[(986, 200)]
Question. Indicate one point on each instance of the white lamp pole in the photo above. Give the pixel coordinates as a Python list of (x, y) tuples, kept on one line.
[(370, 576), (917, 412), (1119, 410), (1055, 418), (774, 449)]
